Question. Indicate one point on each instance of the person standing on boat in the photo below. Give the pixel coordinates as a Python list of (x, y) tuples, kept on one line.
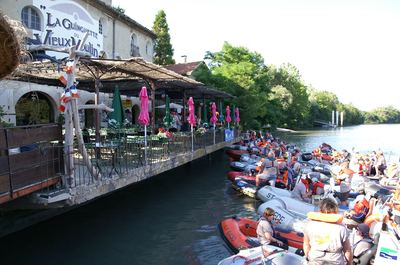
[(265, 232), (326, 239), (362, 241)]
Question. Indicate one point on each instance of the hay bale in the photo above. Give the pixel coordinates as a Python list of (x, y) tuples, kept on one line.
[(10, 49)]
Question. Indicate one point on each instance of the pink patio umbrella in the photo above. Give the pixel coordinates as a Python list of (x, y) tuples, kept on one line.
[(213, 119), (144, 118), (237, 115), (228, 115), (191, 118)]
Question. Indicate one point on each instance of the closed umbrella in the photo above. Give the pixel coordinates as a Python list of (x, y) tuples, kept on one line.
[(228, 115), (167, 118), (144, 118), (191, 118), (118, 114), (237, 116), (213, 119)]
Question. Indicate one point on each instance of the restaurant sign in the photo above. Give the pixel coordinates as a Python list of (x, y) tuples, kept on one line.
[(64, 23)]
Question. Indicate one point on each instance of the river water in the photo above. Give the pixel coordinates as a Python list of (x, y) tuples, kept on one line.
[(171, 218)]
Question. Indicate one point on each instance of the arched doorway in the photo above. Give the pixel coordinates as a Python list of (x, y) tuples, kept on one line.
[(34, 108)]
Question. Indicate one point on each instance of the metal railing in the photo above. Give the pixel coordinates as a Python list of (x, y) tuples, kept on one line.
[(121, 154)]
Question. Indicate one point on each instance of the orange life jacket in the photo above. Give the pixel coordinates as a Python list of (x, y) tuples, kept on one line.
[(361, 205), (325, 217), (284, 178)]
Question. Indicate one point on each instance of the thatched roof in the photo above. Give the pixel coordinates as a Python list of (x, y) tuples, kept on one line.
[(9, 48), (130, 75)]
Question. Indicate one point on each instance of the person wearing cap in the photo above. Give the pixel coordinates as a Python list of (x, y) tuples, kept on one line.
[(362, 241), (265, 232), (344, 188)]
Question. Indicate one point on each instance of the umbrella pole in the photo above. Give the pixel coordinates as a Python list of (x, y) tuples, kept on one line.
[(145, 145), (214, 133), (228, 125), (191, 126)]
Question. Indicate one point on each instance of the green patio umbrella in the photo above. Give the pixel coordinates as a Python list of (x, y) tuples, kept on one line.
[(205, 118), (118, 114), (167, 118)]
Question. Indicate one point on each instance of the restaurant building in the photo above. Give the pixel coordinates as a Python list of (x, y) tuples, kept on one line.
[(111, 35)]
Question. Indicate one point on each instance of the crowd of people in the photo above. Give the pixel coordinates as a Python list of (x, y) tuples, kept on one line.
[(327, 237)]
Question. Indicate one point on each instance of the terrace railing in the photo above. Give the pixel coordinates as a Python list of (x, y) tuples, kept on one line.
[(120, 154), (31, 157)]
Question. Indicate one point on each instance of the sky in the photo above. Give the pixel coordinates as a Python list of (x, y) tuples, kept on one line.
[(348, 47)]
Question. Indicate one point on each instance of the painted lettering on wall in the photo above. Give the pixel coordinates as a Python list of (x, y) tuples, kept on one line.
[(65, 24)]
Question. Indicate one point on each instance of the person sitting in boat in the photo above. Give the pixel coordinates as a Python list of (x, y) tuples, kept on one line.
[(265, 232), (326, 239), (268, 171), (318, 187), (360, 210), (284, 178), (302, 190), (362, 241), (295, 165)]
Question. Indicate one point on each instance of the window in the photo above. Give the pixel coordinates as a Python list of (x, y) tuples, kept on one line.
[(100, 27), (149, 48), (134, 46), (30, 18)]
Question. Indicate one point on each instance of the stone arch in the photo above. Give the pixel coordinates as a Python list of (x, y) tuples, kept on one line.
[(35, 107)]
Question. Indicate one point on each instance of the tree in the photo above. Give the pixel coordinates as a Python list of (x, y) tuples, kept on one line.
[(163, 47), (298, 111), (383, 115), (241, 73), (322, 104)]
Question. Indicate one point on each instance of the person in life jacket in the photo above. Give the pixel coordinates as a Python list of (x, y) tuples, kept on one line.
[(265, 232), (318, 187), (360, 209), (302, 191), (284, 178), (362, 241), (326, 239)]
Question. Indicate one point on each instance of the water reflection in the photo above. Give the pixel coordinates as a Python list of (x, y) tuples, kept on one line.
[(171, 219)]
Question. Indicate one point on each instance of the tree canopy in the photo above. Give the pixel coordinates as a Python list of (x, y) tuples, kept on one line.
[(163, 48), (273, 96)]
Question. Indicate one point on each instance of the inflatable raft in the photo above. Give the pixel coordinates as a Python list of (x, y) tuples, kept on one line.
[(254, 256), (240, 233)]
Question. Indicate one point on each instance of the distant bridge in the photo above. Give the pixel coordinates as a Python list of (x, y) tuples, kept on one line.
[(324, 124)]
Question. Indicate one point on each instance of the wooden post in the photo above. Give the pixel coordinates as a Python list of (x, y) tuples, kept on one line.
[(153, 105), (69, 146), (184, 120)]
